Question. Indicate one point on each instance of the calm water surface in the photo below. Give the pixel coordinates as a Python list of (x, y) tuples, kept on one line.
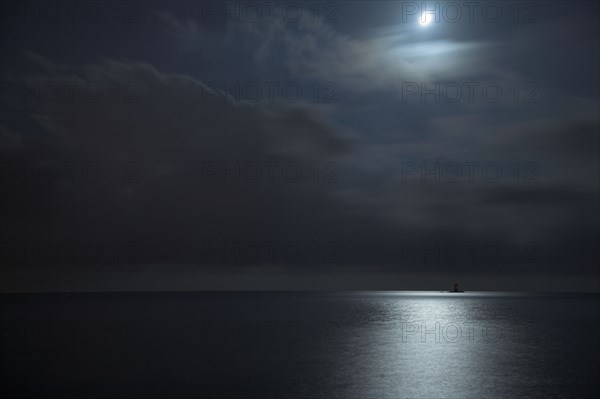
[(300, 345)]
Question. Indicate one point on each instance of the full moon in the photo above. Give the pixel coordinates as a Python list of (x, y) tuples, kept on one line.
[(425, 19)]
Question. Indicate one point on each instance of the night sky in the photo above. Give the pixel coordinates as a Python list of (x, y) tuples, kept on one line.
[(299, 145)]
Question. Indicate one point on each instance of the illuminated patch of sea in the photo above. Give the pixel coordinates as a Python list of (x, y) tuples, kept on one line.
[(302, 345)]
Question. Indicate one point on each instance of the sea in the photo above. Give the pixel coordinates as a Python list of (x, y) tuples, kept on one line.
[(300, 345)]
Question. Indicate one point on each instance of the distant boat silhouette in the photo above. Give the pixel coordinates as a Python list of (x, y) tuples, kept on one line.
[(456, 289)]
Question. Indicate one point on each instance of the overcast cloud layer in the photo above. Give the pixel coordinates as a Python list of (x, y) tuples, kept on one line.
[(353, 148)]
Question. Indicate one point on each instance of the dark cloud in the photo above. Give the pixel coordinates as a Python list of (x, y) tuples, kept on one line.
[(151, 165)]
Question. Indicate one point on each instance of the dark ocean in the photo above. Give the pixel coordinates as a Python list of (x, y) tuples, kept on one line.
[(300, 345)]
